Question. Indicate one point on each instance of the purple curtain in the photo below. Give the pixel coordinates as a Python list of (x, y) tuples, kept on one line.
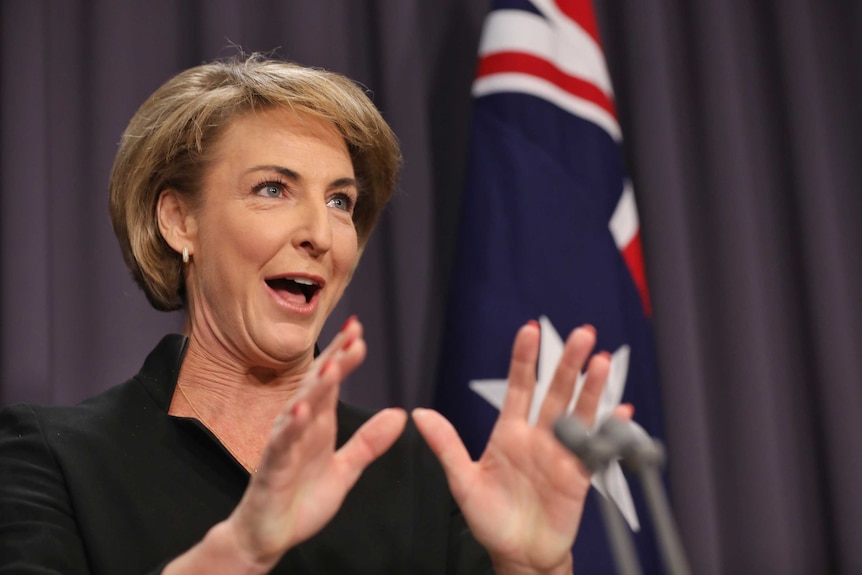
[(741, 122)]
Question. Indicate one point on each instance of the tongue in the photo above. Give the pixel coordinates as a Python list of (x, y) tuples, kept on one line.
[(289, 292)]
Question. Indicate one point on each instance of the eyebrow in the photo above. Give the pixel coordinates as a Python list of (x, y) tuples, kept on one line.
[(296, 177)]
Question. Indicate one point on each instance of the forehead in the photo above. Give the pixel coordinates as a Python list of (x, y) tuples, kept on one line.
[(278, 131)]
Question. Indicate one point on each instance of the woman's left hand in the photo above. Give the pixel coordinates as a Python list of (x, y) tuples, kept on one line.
[(524, 498)]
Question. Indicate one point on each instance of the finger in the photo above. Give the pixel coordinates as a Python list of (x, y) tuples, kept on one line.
[(350, 331), (335, 370), (286, 433), (522, 373), (317, 387), (336, 366), (369, 442), (560, 468), (448, 447), (324, 401), (575, 353), (597, 375), (318, 395), (624, 411), (351, 355)]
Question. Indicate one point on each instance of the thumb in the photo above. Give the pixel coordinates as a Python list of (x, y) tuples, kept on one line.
[(448, 447)]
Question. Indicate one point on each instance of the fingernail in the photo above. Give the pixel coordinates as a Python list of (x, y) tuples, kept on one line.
[(347, 322), (534, 323), (605, 354), (347, 344), (589, 327), (324, 367)]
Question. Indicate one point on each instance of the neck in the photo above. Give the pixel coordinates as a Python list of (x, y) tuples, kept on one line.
[(237, 403), (226, 371)]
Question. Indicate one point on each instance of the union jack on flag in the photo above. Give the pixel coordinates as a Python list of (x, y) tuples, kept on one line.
[(549, 230)]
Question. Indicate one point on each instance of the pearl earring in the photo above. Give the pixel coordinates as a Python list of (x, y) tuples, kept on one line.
[(185, 254)]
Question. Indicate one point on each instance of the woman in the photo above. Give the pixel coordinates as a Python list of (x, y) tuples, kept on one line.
[(244, 192)]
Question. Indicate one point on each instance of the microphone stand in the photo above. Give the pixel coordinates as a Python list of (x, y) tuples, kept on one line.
[(596, 453), (624, 553), (645, 456)]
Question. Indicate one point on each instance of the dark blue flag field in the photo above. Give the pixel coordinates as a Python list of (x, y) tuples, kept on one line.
[(549, 231)]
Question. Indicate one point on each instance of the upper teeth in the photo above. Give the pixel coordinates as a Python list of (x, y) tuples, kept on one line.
[(303, 281)]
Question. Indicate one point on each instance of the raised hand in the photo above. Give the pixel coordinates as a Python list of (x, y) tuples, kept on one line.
[(301, 480), (523, 499)]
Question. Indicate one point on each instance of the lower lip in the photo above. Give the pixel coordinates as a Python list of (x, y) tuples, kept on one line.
[(292, 306)]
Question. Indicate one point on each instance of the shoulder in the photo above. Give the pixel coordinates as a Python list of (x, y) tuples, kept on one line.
[(126, 405), (36, 513), (21, 434), (60, 441), (104, 410)]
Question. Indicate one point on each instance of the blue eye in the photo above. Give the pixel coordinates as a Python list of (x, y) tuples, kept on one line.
[(341, 202), (270, 189)]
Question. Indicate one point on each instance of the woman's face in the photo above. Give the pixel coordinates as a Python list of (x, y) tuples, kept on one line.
[(275, 242)]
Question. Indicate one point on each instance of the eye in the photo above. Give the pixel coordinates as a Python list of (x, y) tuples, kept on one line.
[(341, 201), (269, 189)]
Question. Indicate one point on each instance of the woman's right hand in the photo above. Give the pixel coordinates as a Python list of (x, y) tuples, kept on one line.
[(302, 480)]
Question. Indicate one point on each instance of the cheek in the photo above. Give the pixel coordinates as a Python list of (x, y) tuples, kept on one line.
[(244, 240), (346, 250), (231, 257), (255, 244)]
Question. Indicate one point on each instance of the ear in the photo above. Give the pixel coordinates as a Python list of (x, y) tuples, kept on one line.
[(177, 223)]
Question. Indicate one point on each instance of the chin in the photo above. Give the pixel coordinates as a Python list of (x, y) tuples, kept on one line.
[(287, 345)]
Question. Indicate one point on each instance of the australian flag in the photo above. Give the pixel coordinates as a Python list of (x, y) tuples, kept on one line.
[(549, 231)]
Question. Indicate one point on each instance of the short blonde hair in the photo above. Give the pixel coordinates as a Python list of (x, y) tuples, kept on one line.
[(168, 141)]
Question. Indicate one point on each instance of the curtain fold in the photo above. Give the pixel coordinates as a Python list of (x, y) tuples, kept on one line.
[(742, 130)]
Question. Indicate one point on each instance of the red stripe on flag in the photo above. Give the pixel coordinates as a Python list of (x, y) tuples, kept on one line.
[(633, 256), (581, 11), (518, 62)]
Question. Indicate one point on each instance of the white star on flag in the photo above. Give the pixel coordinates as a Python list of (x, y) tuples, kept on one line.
[(611, 483)]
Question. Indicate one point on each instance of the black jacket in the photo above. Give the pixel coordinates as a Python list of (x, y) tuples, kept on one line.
[(117, 486)]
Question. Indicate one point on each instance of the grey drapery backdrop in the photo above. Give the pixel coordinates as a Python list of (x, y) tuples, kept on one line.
[(742, 125)]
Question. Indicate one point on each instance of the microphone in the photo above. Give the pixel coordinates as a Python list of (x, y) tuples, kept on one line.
[(632, 444), (614, 439), (595, 451)]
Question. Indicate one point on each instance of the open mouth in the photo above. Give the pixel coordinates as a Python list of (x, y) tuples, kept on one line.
[(294, 289)]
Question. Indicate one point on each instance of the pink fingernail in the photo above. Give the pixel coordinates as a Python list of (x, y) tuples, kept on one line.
[(589, 327), (347, 344), (605, 354), (324, 367), (534, 323)]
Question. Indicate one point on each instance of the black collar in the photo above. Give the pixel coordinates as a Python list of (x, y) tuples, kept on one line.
[(162, 368)]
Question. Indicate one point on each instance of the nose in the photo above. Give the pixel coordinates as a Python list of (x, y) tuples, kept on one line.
[(314, 229)]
